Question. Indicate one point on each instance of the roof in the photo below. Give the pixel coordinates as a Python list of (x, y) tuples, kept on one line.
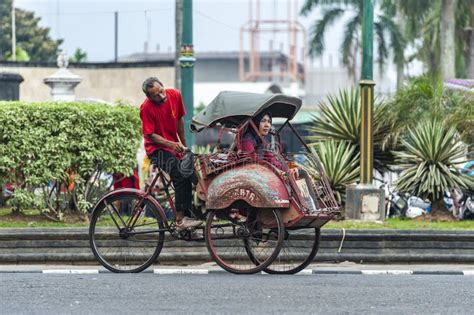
[(202, 55), (231, 108)]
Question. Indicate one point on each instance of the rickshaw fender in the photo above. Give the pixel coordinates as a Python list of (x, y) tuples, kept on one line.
[(130, 191), (255, 184)]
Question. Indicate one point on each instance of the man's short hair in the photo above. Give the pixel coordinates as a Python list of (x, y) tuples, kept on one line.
[(149, 83)]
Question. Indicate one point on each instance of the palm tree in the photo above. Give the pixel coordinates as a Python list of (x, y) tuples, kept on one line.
[(447, 28), (431, 152), (384, 26), (340, 120), (442, 26)]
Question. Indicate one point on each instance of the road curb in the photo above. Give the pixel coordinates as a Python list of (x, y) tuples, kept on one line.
[(53, 246), (305, 272)]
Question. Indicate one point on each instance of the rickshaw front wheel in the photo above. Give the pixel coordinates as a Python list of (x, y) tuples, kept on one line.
[(299, 248), (229, 239)]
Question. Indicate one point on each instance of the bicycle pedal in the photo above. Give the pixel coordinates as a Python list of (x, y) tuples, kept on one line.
[(189, 234)]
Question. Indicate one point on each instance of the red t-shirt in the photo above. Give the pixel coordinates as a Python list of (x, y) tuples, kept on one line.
[(132, 181), (162, 119)]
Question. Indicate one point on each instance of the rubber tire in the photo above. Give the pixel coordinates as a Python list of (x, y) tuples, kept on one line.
[(258, 268), (305, 263), (159, 245)]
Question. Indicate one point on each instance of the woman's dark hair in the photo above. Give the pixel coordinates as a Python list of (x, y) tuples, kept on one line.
[(257, 119)]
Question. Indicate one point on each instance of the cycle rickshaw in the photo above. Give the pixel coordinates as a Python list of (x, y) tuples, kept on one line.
[(257, 217)]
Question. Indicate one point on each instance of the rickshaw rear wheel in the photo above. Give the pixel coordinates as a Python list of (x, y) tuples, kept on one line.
[(228, 239), (299, 248)]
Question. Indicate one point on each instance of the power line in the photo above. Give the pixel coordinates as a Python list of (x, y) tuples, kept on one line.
[(216, 21), (100, 12)]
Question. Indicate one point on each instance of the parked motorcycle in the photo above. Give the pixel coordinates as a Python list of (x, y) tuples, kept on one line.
[(401, 205)]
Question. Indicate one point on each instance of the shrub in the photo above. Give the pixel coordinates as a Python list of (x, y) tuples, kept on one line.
[(429, 160), (57, 151)]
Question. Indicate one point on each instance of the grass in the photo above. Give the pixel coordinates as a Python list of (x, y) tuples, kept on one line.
[(403, 224), (33, 218)]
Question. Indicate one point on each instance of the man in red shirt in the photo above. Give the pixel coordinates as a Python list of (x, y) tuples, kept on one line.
[(162, 115)]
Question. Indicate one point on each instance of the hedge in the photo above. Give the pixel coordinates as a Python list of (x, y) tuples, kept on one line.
[(55, 153)]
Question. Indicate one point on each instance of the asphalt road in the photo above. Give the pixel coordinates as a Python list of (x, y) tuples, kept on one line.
[(34, 293)]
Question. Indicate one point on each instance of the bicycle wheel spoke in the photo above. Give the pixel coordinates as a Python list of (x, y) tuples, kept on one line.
[(123, 248), (229, 241), (298, 251), (112, 216)]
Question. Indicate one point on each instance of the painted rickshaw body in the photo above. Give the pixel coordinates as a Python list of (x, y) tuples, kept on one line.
[(233, 175)]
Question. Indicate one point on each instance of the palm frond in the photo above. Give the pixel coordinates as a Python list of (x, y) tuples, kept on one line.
[(351, 30), (311, 4), (339, 120), (382, 51), (397, 40), (319, 28)]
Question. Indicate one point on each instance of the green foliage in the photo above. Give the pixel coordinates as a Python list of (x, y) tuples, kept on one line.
[(78, 56), (197, 149), (461, 115), (386, 31), (429, 161), (32, 38), (199, 108), (57, 149), (423, 20), (425, 98), (340, 120), (341, 164), (21, 55)]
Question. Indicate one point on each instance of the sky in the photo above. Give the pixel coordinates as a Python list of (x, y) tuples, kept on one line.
[(89, 25)]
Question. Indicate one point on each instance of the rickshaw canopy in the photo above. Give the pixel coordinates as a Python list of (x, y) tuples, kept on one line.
[(231, 108)]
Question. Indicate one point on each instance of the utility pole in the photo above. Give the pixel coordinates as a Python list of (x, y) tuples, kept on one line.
[(178, 33), (1, 52), (186, 62), (365, 201), (13, 32), (116, 36), (367, 95)]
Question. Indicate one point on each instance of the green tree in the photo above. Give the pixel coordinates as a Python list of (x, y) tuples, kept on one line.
[(32, 38), (21, 55), (425, 98), (78, 56), (387, 32), (439, 32)]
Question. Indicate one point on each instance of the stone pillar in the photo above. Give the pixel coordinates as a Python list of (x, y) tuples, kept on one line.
[(10, 86), (63, 82), (365, 202)]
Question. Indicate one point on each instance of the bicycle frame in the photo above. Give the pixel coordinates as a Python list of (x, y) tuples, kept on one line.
[(143, 195)]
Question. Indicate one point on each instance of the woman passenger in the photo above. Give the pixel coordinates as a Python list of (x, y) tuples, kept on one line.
[(252, 142)]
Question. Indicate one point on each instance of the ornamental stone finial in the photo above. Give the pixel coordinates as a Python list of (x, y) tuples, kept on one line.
[(62, 61)]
